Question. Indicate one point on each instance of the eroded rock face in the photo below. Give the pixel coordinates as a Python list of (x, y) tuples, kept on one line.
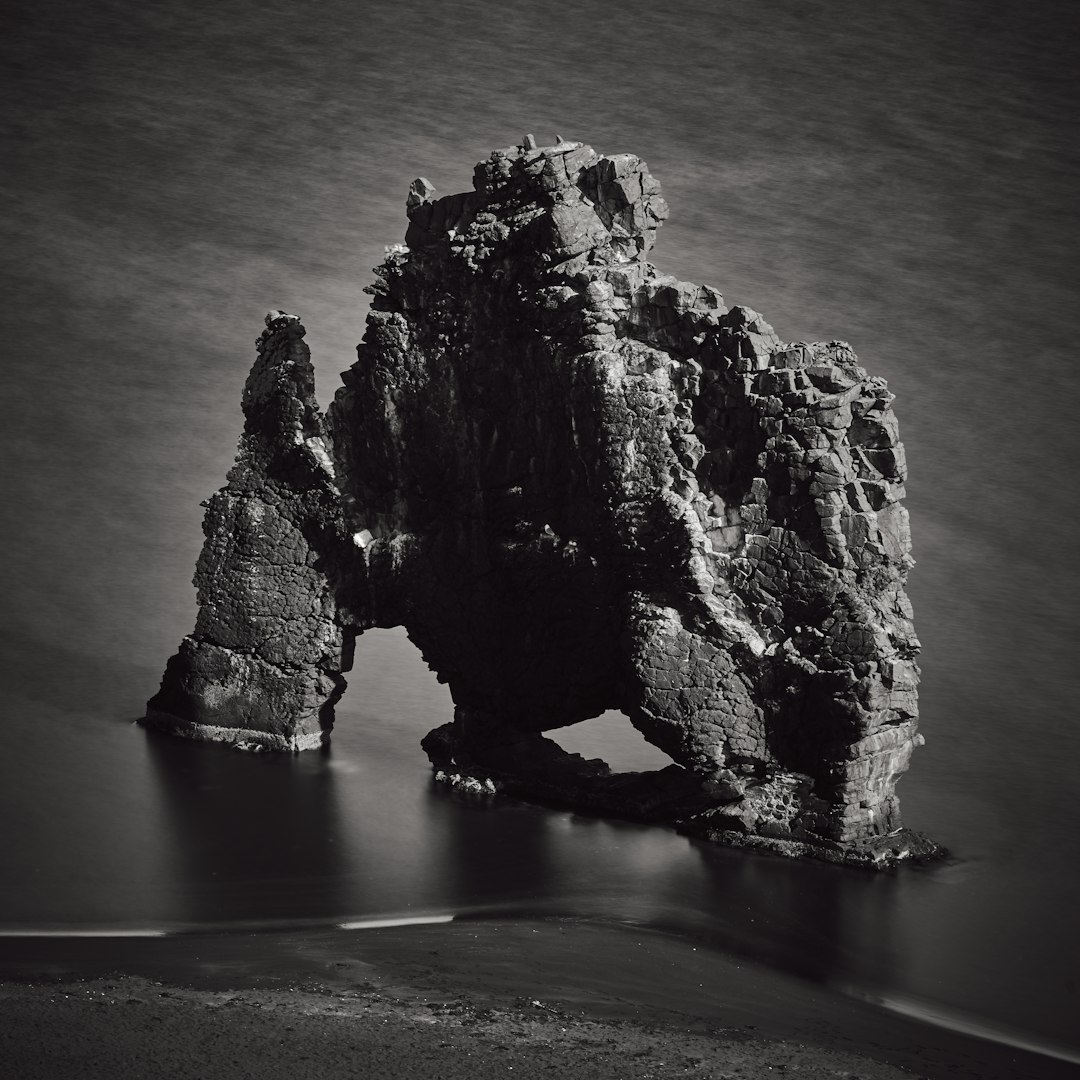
[(581, 485)]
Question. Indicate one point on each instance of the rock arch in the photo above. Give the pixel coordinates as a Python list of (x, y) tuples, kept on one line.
[(581, 485)]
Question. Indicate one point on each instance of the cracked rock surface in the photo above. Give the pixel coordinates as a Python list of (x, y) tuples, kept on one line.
[(581, 485)]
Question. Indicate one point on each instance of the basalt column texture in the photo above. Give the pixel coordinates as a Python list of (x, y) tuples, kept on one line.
[(581, 485)]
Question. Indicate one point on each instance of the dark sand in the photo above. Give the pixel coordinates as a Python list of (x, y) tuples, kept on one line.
[(471, 999)]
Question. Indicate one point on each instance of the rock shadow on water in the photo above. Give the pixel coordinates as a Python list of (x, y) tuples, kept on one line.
[(832, 925), (251, 839)]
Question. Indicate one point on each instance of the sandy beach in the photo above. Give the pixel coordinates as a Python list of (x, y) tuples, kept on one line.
[(475, 998)]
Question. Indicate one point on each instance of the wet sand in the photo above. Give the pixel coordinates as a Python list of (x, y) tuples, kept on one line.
[(473, 998)]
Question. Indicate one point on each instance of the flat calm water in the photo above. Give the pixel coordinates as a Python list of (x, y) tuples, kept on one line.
[(902, 177)]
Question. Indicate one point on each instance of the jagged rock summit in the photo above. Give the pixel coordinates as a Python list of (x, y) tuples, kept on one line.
[(581, 485)]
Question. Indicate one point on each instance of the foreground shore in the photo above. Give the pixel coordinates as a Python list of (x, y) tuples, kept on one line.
[(462, 1000), (135, 1027)]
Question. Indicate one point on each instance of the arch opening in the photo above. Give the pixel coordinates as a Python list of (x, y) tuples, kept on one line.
[(614, 740), (392, 698)]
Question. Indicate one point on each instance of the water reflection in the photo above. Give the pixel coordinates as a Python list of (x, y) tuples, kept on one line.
[(827, 923), (82, 844), (249, 837), (494, 856)]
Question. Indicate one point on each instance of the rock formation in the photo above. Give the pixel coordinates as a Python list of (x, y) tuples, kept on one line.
[(581, 485)]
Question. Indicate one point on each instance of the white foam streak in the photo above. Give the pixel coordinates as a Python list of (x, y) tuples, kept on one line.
[(966, 1024), (378, 924), (33, 933)]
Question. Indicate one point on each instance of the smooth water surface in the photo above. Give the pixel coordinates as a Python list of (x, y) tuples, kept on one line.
[(125, 829), (901, 176)]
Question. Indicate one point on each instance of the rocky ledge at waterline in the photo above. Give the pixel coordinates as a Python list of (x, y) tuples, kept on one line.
[(580, 485)]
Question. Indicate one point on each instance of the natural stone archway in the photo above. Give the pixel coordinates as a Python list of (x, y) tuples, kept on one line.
[(581, 485)]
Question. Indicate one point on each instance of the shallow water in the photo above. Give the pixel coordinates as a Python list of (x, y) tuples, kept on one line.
[(903, 177)]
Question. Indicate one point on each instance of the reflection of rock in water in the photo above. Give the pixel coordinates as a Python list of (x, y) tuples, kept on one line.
[(581, 485), (839, 928), (251, 841)]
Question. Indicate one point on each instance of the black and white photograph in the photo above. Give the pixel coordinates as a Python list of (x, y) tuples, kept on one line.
[(540, 540)]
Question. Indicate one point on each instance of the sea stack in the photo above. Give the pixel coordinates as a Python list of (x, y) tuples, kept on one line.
[(580, 484)]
